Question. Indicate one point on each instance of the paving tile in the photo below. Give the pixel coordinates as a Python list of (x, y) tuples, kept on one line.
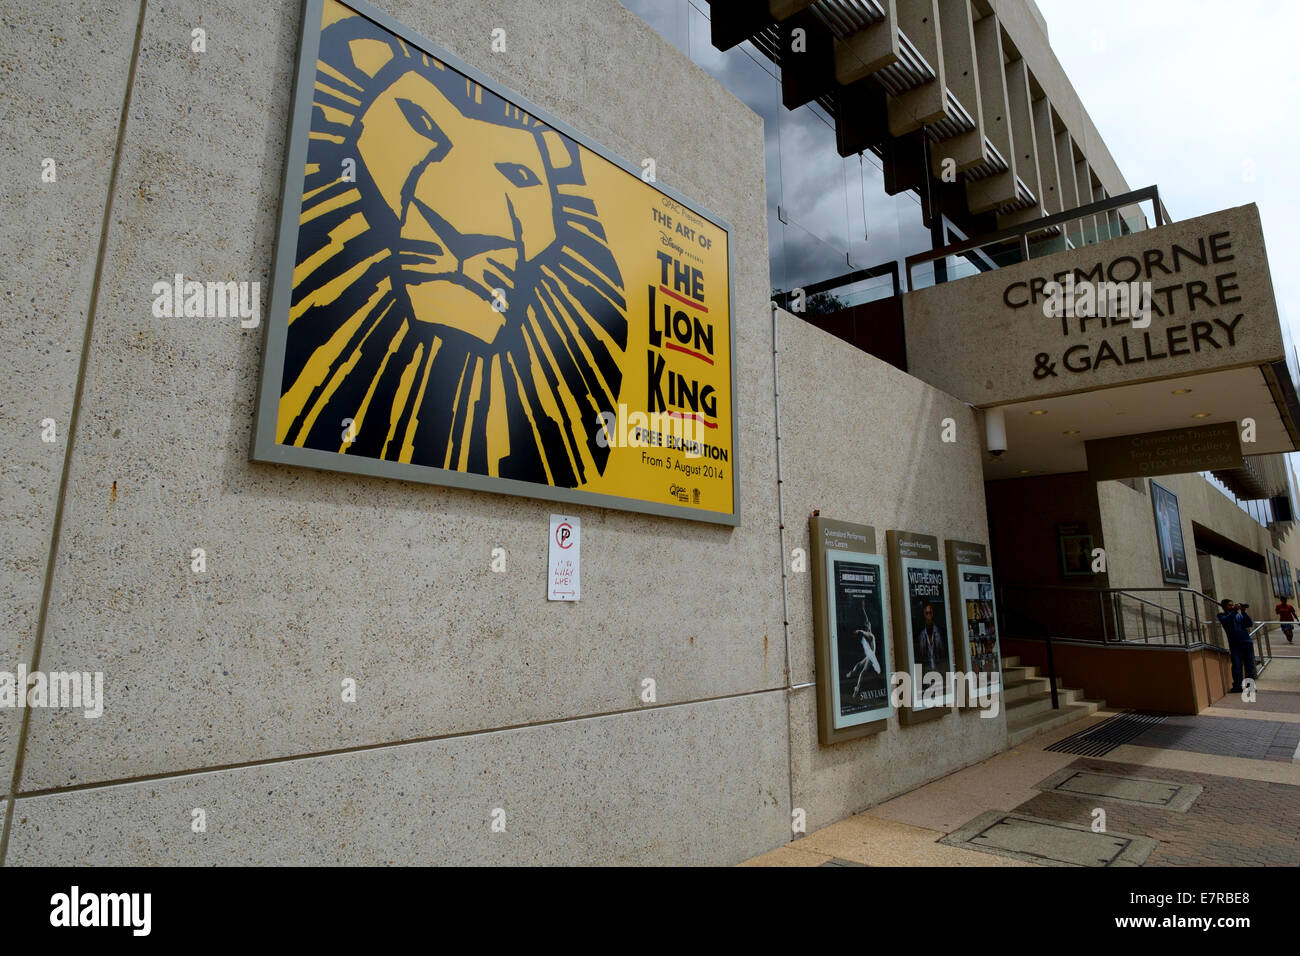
[(1112, 788), (789, 855), (1050, 842), (875, 842)]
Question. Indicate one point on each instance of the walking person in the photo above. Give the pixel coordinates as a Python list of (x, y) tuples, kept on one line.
[(1286, 614), (1237, 624)]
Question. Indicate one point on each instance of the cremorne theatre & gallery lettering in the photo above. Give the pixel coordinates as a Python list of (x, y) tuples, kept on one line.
[(1202, 313)]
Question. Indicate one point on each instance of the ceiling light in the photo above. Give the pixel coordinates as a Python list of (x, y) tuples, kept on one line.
[(1072, 431), (1180, 391), (1201, 415), (1038, 411)]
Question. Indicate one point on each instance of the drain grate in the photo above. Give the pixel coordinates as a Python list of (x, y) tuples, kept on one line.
[(1108, 734)]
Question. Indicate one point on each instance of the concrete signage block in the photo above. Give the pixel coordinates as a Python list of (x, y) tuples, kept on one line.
[(994, 338)]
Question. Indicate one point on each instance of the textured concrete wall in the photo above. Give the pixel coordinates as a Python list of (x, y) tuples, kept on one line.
[(1129, 532), (1132, 551), (50, 235), (314, 577), (1031, 363), (862, 442), (1243, 585)]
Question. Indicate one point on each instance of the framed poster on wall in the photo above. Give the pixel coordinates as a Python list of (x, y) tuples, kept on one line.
[(1074, 543), (469, 292), (922, 623), (1169, 536), (975, 622), (851, 630)]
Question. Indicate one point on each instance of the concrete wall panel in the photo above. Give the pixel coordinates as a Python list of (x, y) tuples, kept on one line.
[(865, 444), (699, 784), (315, 577), (65, 74)]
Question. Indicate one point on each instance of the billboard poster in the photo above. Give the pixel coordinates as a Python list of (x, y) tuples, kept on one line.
[(468, 292), (982, 650), (852, 630), (860, 657), (1169, 536), (1074, 542), (927, 619), (923, 624)]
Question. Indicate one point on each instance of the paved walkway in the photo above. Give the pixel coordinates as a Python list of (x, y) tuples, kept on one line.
[(1220, 788)]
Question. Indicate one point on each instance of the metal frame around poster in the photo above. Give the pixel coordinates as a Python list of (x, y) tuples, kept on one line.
[(1156, 490), (266, 449), (904, 654), (965, 557), (828, 539)]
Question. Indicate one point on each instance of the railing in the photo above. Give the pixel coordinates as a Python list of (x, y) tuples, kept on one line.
[(1163, 616), (1194, 619), (1264, 644), (1024, 230)]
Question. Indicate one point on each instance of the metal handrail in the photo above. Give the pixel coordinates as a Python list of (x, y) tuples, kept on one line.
[(1264, 658), (1038, 225), (1181, 614), (1181, 611)]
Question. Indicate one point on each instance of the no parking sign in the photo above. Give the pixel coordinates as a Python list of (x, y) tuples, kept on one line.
[(564, 583)]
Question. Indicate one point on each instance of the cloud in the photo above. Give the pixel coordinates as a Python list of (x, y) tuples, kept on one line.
[(1197, 98)]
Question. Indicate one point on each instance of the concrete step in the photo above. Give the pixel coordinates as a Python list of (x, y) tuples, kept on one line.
[(1040, 722), (1037, 702), (1013, 661), (1022, 671), (1013, 690)]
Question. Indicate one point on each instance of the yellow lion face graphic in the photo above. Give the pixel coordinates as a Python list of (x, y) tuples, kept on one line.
[(455, 302)]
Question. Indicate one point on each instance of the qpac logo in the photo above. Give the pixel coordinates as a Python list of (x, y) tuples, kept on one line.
[(564, 535), (680, 493)]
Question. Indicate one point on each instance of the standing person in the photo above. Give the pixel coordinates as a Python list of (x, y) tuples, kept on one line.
[(929, 643), (1286, 614), (1237, 624)]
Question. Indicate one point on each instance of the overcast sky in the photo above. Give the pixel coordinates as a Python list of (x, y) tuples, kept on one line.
[(1199, 99)]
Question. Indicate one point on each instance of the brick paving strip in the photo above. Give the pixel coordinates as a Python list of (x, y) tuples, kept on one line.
[(1276, 701), (1233, 822), (1224, 736)]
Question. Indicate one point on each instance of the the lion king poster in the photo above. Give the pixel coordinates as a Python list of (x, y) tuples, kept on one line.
[(469, 293)]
